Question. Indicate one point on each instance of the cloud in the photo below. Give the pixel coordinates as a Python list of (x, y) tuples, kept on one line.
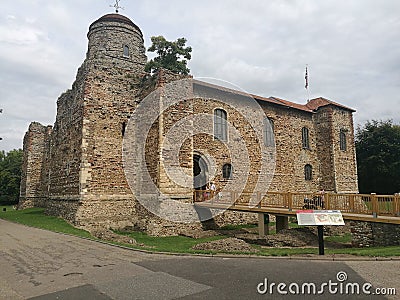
[(351, 47)]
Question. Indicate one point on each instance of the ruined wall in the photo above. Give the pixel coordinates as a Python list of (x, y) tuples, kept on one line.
[(369, 234), (34, 177), (66, 150), (66, 143)]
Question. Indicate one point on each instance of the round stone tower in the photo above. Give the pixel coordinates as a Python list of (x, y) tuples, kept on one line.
[(117, 40), (107, 95)]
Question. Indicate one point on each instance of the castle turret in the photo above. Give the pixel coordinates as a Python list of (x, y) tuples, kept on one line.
[(86, 178), (115, 40)]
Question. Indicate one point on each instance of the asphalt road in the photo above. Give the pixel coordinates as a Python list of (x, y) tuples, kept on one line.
[(38, 264)]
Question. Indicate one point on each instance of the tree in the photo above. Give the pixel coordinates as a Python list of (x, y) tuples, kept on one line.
[(171, 55), (10, 176), (378, 157)]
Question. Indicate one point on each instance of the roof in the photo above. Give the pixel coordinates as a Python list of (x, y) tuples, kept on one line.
[(316, 103), (116, 18), (312, 106), (294, 105)]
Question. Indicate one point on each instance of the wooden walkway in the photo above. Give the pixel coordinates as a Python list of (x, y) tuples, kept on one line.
[(357, 207)]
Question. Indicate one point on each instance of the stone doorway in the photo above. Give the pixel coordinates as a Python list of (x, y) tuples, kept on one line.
[(200, 172)]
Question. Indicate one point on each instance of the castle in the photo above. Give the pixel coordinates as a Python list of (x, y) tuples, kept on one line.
[(125, 141)]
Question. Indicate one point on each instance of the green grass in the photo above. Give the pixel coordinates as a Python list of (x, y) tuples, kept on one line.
[(35, 217), (372, 251), (345, 238), (178, 244), (238, 227), (242, 226)]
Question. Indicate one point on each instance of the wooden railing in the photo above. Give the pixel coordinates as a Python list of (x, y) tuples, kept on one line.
[(372, 204)]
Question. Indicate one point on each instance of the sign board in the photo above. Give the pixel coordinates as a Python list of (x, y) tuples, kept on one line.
[(319, 217)]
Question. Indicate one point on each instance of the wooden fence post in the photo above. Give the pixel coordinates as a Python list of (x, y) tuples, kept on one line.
[(289, 198), (327, 201), (351, 202), (396, 205), (374, 202)]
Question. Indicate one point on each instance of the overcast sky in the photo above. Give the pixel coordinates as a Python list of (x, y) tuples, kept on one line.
[(352, 48)]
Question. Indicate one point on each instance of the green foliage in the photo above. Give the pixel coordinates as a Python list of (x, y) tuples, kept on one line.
[(378, 157), (10, 176), (171, 55)]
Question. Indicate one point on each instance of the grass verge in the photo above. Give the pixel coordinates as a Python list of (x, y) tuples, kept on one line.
[(35, 217), (177, 244)]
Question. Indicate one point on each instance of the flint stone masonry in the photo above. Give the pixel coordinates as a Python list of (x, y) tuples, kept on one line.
[(88, 167), (369, 234)]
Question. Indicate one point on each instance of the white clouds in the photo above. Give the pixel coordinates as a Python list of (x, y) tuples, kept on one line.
[(352, 48), (20, 33)]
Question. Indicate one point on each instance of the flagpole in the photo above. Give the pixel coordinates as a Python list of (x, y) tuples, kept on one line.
[(306, 85)]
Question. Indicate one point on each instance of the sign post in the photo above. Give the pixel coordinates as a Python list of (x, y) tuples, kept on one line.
[(320, 218), (321, 240)]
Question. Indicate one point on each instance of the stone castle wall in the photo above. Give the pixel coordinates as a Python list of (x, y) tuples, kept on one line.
[(34, 177), (291, 157), (370, 234), (338, 167), (344, 161)]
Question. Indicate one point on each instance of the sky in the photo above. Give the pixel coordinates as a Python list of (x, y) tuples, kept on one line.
[(351, 47)]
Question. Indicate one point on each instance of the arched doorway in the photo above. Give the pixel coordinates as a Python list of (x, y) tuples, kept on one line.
[(200, 172)]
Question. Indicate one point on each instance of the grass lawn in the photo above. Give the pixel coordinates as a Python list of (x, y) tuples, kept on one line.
[(177, 244), (35, 217), (345, 238)]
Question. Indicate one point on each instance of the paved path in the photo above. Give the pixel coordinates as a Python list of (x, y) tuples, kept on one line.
[(40, 264)]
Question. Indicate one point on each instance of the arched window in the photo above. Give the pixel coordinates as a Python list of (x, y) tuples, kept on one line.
[(308, 172), (126, 51), (220, 126), (305, 138), (269, 132), (343, 141), (227, 171)]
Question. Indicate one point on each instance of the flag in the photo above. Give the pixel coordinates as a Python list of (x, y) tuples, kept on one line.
[(306, 78)]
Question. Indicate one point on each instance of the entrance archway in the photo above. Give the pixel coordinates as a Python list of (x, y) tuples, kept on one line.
[(200, 172)]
